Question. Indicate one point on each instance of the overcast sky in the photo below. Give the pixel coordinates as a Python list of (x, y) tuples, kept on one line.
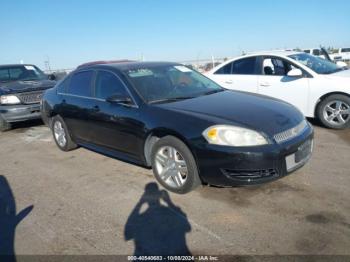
[(74, 32)]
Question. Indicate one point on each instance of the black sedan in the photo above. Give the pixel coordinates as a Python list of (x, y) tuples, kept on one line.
[(170, 118), (21, 89)]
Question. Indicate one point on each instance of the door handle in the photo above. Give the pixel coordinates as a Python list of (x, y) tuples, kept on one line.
[(265, 84), (229, 82), (114, 117), (96, 108)]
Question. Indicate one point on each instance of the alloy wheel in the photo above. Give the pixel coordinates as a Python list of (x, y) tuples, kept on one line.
[(60, 134), (171, 166), (336, 112)]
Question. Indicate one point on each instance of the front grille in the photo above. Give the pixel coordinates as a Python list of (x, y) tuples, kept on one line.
[(31, 97), (290, 133), (248, 175)]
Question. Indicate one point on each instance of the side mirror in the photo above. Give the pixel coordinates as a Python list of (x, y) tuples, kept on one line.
[(341, 64), (296, 72), (51, 77), (119, 99)]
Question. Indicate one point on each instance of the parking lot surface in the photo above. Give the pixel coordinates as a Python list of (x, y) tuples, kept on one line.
[(81, 202)]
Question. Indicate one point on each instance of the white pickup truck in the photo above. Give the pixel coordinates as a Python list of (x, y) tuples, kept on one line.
[(341, 55)]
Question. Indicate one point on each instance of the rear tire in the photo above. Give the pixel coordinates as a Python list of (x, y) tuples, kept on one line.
[(61, 134), (334, 111), (174, 165), (4, 125)]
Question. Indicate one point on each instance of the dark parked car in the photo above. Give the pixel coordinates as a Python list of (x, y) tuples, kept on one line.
[(187, 128), (21, 89)]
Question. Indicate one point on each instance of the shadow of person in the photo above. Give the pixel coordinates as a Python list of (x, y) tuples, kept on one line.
[(160, 229), (9, 220)]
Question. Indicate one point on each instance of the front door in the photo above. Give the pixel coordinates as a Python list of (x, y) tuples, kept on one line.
[(275, 82), (116, 126)]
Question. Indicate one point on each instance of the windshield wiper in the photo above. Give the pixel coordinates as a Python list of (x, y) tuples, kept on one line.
[(213, 92), (31, 79), (165, 100)]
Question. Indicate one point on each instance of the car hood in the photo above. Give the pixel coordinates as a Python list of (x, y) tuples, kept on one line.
[(243, 109), (25, 86), (344, 73)]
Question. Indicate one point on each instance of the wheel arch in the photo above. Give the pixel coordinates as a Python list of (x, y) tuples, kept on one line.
[(324, 97), (47, 112), (156, 134)]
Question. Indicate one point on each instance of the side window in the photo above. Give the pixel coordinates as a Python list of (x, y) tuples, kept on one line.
[(107, 84), (80, 84), (316, 52), (244, 66), (15, 72), (4, 74), (63, 85), (274, 66), (225, 70)]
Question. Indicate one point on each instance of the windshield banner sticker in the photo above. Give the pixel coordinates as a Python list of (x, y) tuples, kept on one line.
[(183, 69)]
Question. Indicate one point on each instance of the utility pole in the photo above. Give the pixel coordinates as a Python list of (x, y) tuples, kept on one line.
[(47, 64)]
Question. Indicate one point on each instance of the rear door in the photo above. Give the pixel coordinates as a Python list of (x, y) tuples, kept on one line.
[(77, 103), (238, 75), (274, 82)]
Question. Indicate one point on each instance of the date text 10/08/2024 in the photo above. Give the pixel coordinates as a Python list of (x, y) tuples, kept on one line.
[(173, 258)]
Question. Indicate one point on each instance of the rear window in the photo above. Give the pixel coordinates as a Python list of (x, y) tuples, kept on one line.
[(345, 50), (80, 83)]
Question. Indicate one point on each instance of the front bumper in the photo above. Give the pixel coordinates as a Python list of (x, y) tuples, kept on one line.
[(229, 166), (17, 113)]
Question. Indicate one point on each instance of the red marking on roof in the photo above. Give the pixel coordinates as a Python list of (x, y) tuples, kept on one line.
[(102, 62)]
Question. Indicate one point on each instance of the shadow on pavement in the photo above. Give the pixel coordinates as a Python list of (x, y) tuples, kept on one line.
[(159, 229), (18, 126), (9, 219), (315, 122), (344, 134)]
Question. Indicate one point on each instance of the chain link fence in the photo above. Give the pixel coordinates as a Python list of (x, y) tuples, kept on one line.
[(201, 65)]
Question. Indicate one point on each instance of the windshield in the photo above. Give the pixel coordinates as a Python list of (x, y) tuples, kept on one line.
[(20, 73), (158, 84), (319, 65)]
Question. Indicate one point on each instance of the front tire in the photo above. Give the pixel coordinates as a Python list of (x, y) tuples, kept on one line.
[(4, 125), (61, 134), (334, 111), (174, 165)]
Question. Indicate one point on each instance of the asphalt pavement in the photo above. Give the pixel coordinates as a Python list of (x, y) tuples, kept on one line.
[(81, 202)]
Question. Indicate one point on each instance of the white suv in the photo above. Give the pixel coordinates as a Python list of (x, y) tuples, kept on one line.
[(317, 87), (342, 54)]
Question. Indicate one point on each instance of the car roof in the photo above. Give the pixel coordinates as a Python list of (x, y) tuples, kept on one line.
[(103, 62), (259, 53), (12, 65), (276, 52), (129, 65)]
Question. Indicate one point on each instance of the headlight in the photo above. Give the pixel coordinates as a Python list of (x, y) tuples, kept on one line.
[(226, 135), (9, 100)]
